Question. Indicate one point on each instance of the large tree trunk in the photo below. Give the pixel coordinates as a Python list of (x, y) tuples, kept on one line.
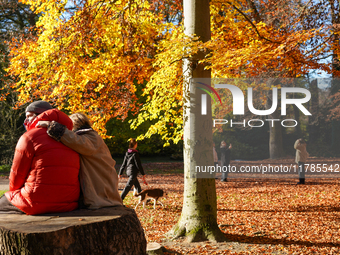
[(298, 131), (314, 109), (198, 220), (275, 129), (275, 137), (335, 87), (114, 230)]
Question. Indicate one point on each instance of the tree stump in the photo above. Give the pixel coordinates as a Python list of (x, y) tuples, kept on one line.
[(112, 230)]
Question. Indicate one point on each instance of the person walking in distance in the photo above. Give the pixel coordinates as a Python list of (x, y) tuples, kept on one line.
[(301, 158), (133, 166), (225, 159)]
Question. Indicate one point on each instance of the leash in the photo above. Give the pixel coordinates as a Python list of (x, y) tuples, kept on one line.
[(144, 181)]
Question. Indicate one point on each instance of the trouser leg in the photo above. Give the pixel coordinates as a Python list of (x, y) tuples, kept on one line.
[(224, 176), (213, 175), (131, 181), (7, 207), (301, 172), (137, 185), (225, 170)]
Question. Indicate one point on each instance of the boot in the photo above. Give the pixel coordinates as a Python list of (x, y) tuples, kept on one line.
[(301, 181)]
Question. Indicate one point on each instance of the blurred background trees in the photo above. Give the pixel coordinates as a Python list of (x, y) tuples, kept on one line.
[(16, 19)]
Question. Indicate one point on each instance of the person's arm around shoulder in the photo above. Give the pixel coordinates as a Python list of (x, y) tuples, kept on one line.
[(83, 144), (54, 129)]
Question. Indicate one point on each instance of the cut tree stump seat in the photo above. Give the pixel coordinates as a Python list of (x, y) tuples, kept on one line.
[(111, 230)]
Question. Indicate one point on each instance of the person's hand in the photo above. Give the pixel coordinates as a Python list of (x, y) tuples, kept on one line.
[(43, 123), (230, 146)]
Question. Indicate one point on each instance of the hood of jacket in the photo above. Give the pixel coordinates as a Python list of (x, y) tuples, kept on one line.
[(50, 115), (130, 153)]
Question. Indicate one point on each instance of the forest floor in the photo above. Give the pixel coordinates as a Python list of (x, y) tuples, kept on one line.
[(257, 216)]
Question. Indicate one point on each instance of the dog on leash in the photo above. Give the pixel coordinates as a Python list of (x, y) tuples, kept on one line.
[(146, 194)]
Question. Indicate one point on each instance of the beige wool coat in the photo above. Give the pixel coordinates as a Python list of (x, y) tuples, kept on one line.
[(301, 152), (98, 176)]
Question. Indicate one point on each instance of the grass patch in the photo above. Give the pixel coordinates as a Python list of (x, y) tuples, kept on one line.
[(5, 168), (2, 192)]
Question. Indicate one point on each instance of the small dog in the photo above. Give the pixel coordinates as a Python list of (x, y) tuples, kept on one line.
[(146, 194)]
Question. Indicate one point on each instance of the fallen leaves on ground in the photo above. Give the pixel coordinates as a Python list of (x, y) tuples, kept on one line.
[(258, 216)]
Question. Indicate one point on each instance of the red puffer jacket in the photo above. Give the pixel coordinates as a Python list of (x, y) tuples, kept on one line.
[(44, 174)]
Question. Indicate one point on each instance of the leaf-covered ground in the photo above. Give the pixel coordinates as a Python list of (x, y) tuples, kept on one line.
[(258, 216)]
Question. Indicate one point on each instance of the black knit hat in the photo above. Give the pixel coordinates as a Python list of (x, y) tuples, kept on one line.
[(39, 107)]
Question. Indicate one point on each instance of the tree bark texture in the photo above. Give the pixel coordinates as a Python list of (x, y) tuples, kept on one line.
[(275, 130), (275, 137), (113, 230), (313, 127), (198, 220)]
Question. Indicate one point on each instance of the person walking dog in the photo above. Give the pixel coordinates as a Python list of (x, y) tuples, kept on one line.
[(133, 166)]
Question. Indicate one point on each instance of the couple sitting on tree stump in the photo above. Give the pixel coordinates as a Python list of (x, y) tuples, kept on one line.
[(47, 175)]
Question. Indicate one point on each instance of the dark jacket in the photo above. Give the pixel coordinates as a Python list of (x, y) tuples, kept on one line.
[(225, 156), (131, 163)]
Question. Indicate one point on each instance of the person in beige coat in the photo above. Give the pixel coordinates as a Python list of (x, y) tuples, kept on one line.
[(301, 158), (98, 176)]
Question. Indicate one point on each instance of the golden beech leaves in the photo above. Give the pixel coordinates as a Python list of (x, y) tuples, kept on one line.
[(243, 48), (90, 62), (93, 57), (165, 87), (238, 48)]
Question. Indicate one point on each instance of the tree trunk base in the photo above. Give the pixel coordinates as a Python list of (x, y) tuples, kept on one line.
[(198, 234), (112, 230)]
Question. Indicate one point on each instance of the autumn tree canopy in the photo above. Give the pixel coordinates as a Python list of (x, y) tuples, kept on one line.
[(92, 57)]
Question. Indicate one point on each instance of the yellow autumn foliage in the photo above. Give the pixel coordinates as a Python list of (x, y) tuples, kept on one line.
[(94, 58)]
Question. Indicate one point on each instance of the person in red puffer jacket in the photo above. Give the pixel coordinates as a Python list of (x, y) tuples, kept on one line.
[(44, 174)]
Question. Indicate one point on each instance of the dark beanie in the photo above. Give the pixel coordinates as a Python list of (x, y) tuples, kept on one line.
[(38, 107)]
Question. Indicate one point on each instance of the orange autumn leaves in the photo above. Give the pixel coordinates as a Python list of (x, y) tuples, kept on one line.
[(90, 61), (257, 216), (94, 57)]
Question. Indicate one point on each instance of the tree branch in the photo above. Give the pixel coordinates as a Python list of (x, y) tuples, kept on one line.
[(252, 24)]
